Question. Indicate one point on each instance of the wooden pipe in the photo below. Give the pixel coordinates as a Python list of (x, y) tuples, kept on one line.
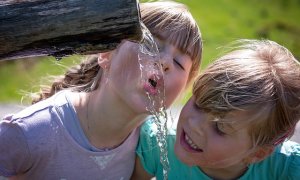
[(65, 27)]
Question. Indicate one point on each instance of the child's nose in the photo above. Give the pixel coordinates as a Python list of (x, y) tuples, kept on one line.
[(166, 62), (198, 127)]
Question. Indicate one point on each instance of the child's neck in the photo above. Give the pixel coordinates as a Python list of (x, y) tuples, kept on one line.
[(105, 126), (233, 172)]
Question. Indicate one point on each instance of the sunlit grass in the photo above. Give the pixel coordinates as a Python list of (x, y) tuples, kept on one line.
[(20, 77)]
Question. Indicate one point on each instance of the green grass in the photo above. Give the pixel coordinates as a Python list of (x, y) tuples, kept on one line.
[(220, 21), (20, 77)]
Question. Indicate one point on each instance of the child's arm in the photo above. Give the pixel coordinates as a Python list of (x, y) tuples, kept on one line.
[(139, 172)]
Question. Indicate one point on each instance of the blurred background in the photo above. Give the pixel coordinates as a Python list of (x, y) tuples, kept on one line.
[(220, 21)]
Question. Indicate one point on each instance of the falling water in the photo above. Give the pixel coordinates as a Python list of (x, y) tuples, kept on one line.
[(149, 63)]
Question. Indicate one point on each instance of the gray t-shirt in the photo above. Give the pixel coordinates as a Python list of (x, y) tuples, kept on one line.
[(35, 144)]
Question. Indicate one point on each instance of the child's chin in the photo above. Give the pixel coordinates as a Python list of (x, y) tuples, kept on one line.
[(182, 155)]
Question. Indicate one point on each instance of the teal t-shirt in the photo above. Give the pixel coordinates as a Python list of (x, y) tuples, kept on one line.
[(283, 163)]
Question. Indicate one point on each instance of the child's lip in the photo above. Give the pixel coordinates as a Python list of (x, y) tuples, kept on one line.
[(150, 89), (187, 146), (154, 84), (158, 79)]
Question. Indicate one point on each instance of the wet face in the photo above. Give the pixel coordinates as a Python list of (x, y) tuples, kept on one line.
[(209, 144), (176, 67), (124, 75)]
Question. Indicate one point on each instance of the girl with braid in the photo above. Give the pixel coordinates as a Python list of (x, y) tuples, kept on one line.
[(86, 125)]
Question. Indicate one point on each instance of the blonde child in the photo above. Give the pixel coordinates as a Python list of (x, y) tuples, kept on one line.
[(86, 125), (243, 109)]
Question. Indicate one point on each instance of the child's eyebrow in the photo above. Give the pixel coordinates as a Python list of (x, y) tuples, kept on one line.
[(228, 125), (224, 122)]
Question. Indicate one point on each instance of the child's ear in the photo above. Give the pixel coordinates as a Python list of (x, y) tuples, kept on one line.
[(260, 154), (104, 60)]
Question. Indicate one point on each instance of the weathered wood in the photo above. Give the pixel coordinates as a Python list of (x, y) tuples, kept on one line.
[(65, 27)]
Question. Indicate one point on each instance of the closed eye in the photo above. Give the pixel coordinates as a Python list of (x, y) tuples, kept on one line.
[(178, 64)]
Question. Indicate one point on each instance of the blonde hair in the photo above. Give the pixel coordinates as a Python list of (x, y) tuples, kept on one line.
[(256, 74), (172, 18), (172, 22)]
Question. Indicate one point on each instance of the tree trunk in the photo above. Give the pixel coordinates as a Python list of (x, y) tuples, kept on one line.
[(65, 27)]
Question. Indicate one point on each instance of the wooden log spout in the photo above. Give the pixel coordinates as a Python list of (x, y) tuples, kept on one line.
[(65, 27)]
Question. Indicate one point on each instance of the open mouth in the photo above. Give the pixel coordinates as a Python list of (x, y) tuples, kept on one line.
[(153, 85), (152, 82), (188, 143)]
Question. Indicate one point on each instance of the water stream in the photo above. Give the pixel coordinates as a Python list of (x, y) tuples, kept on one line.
[(149, 60)]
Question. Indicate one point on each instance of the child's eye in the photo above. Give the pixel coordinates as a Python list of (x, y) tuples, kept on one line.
[(178, 64), (219, 128)]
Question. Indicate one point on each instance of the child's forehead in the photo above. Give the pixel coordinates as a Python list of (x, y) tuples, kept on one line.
[(171, 38), (164, 36), (246, 116)]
